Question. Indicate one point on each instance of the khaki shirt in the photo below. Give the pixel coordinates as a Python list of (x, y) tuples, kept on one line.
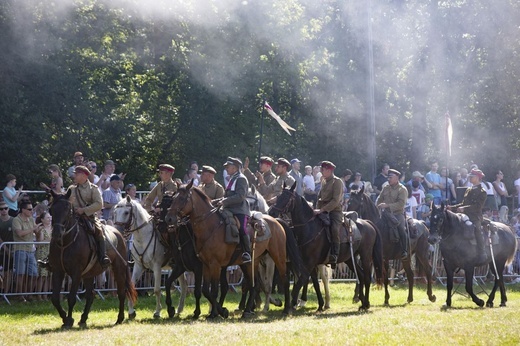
[(213, 190), (20, 224), (395, 197), (269, 177), (274, 189), (330, 195), (158, 192), (87, 197), (472, 203)]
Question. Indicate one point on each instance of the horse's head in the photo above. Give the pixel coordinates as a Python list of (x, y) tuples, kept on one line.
[(123, 214), (437, 218), (180, 204), (256, 200), (284, 202), (355, 202), (62, 213)]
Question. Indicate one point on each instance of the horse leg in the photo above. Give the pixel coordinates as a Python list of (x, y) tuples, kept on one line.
[(302, 281), (303, 300), (422, 258), (157, 289), (410, 277), (175, 273), (89, 299), (468, 272), (183, 283), (224, 286), (325, 274), (57, 279), (498, 283), (316, 285), (197, 291), (449, 282), (385, 282), (71, 300), (136, 274)]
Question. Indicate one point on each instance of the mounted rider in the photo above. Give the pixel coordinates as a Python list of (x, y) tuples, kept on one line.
[(394, 197), (471, 205), (209, 185), (274, 189), (154, 198), (235, 201), (329, 201)]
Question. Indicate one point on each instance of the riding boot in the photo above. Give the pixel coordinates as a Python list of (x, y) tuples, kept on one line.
[(333, 257), (102, 255), (246, 256), (481, 251)]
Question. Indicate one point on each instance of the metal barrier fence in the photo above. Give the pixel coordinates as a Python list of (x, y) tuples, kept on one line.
[(22, 287), (14, 286)]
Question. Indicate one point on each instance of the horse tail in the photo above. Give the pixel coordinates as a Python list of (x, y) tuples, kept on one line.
[(293, 251), (131, 292), (512, 235), (377, 256)]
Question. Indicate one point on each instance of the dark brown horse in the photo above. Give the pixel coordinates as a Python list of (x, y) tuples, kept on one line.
[(361, 203), (72, 252), (314, 245), (215, 253), (458, 252)]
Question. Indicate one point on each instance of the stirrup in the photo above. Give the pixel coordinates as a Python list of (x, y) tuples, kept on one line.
[(246, 257), (44, 263), (105, 262)]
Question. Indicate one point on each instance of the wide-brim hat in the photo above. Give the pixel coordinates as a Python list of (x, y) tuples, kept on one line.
[(166, 167), (476, 173), (208, 169), (327, 165), (284, 162), (82, 170), (233, 161)]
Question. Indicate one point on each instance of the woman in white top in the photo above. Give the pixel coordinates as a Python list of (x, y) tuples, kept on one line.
[(500, 189)]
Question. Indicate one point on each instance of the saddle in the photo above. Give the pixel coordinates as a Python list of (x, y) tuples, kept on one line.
[(390, 222), (350, 231), (258, 224), (232, 235)]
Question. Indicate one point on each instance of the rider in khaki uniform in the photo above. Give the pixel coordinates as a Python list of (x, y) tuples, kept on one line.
[(274, 189), (329, 201), (471, 205), (209, 185), (264, 170), (166, 184), (394, 197)]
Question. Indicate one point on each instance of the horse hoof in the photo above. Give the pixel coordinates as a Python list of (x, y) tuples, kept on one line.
[(82, 325), (277, 302), (480, 302), (409, 301), (433, 299), (171, 312), (157, 315), (132, 316), (65, 326), (502, 305), (326, 307), (489, 304), (225, 313), (248, 314), (445, 307)]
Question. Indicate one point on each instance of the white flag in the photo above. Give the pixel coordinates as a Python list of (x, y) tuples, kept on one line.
[(282, 123)]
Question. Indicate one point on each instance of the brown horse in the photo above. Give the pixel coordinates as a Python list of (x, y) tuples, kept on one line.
[(215, 253), (72, 252), (361, 203)]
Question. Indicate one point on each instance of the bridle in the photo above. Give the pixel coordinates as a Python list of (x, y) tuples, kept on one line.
[(127, 225), (67, 220), (288, 206)]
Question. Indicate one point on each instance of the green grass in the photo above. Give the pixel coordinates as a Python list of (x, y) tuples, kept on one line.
[(418, 323)]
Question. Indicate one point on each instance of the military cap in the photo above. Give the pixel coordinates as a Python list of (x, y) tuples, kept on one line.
[(109, 162), (208, 169), (115, 177), (283, 161), (78, 153), (476, 173), (233, 161), (267, 160), (166, 167), (328, 165), (82, 169), (394, 171)]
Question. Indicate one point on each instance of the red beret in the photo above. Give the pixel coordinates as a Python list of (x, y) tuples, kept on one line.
[(477, 173), (327, 165)]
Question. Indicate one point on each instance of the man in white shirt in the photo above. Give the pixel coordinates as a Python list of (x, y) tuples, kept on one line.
[(309, 186)]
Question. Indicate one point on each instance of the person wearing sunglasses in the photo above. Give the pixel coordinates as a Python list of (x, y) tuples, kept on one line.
[(24, 230), (6, 235)]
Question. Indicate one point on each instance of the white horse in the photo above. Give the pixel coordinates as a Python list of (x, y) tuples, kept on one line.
[(147, 250)]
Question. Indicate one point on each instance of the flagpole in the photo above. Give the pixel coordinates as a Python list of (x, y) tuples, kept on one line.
[(261, 132), (447, 138)]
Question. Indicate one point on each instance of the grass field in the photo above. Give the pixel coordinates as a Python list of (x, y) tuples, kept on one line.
[(418, 323)]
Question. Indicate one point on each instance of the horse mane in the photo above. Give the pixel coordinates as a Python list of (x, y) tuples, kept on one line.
[(306, 208), (143, 213), (199, 192)]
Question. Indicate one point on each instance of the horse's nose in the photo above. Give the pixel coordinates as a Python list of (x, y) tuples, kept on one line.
[(171, 219), (432, 239)]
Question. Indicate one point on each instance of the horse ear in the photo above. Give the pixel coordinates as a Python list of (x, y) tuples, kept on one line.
[(362, 188), (442, 206), (128, 199), (284, 185), (293, 187), (67, 195), (190, 184)]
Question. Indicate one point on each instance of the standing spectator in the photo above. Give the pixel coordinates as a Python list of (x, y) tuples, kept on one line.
[(193, 166), (24, 230), (451, 196), (381, 178), (192, 175), (500, 189), (209, 185), (464, 179), (433, 179), (78, 161), (491, 201), (93, 177), (316, 172), (111, 197), (11, 196), (345, 179), (56, 179), (296, 174), (517, 187), (6, 235), (131, 190), (417, 176), (411, 204), (108, 172), (417, 193), (43, 234), (309, 186), (424, 211), (357, 183)]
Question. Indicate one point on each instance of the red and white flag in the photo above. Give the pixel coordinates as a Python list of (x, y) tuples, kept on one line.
[(449, 132), (282, 123)]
